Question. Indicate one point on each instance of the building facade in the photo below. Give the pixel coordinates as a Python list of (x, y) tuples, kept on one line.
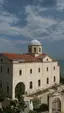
[(35, 70)]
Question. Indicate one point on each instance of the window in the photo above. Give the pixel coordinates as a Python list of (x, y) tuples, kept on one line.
[(47, 69), (20, 72), (54, 67), (34, 49), (0, 85), (7, 88), (30, 70), (31, 85), (39, 49), (47, 59), (39, 82), (47, 80), (38, 69), (1, 70), (1, 60), (8, 70), (54, 78), (29, 49)]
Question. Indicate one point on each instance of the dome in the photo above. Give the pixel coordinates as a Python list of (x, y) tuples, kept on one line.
[(34, 42)]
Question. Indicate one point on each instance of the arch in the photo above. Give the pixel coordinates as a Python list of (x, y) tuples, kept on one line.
[(19, 89), (56, 105)]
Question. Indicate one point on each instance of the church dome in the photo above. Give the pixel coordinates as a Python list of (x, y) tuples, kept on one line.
[(35, 42)]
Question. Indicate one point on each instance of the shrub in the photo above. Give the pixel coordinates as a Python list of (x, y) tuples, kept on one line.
[(36, 103), (43, 107), (32, 111)]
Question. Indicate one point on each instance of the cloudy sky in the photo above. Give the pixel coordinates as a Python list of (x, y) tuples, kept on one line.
[(24, 20)]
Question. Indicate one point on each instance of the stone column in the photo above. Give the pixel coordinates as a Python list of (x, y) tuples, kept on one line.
[(62, 103), (50, 104)]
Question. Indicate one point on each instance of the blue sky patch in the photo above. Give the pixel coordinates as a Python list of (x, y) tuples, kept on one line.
[(24, 20)]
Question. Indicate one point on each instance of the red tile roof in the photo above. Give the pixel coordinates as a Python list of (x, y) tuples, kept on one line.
[(26, 57)]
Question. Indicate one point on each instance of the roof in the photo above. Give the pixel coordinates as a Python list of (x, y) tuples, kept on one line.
[(34, 42), (27, 57), (42, 91)]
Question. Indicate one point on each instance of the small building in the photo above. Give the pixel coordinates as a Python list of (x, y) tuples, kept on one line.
[(56, 100), (34, 71)]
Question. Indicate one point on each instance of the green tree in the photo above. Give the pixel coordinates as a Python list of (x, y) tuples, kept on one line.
[(36, 103), (16, 106)]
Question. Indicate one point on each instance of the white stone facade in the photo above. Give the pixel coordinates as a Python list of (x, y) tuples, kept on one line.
[(56, 100), (43, 74)]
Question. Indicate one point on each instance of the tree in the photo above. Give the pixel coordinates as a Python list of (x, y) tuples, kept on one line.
[(16, 106), (21, 102), (55, 86), (36, 103)]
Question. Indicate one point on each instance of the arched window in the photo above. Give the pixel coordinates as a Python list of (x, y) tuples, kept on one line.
[(39, 49), (8, 70), (54, 78), (19, 89), (7, 87), (31, 85), (56, 105), (47, 68), (1, 69), (0, 84), (34, 49), (38, 69), (47, 80), (30, 70), (54, 67), (1, 60), (20, 72), (47, 59), (39, 82)]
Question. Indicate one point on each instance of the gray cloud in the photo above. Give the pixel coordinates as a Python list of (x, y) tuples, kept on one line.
[(37, 26), (60, 5), (48, 3)]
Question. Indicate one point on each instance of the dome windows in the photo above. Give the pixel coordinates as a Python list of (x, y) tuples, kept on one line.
[(35, 47), (39, 49)]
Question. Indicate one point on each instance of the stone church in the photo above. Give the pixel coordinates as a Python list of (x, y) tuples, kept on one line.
[(35, 71)]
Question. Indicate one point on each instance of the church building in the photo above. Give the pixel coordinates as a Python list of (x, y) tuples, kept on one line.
[(33, 70)]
